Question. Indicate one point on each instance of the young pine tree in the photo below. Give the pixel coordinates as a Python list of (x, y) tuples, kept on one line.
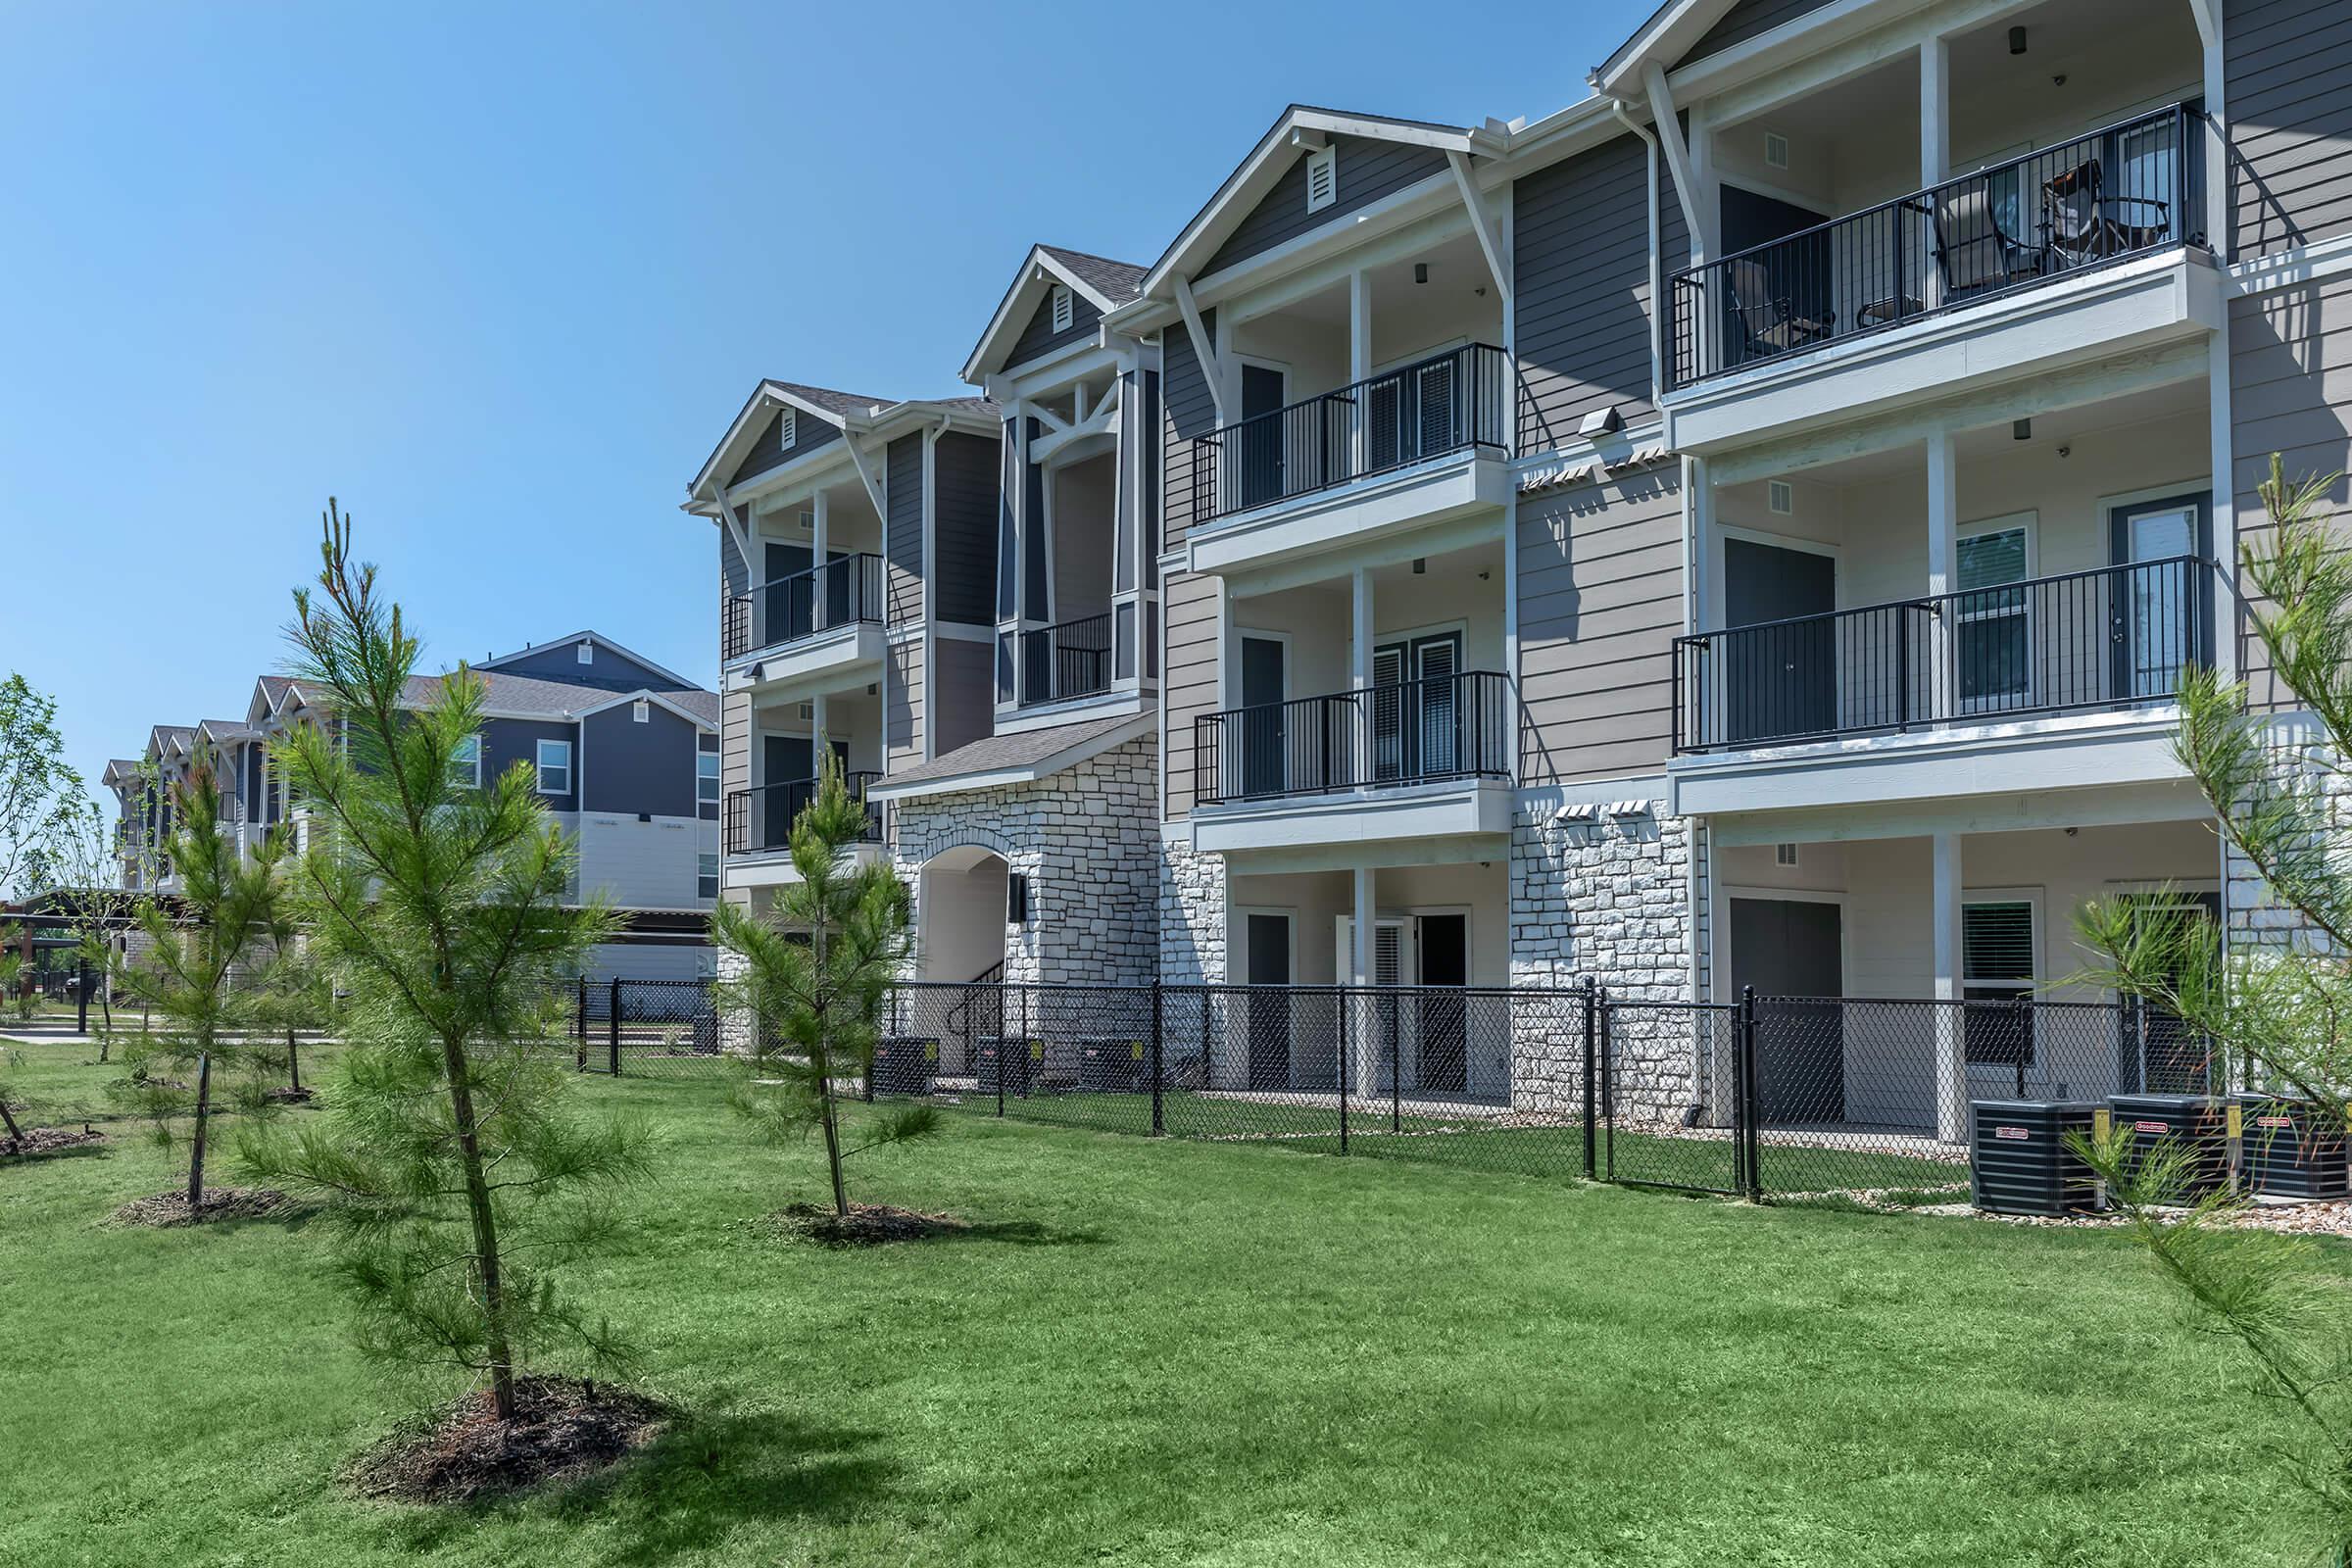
[(189, 980), (2279, 1017), (816, 974), (449, 1151)]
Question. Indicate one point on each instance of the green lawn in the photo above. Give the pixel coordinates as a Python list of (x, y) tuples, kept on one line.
[(1168, 1352)]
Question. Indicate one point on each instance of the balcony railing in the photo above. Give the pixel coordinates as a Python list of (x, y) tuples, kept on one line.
[(786, 609), (1410, 732), (2104, 638), (1071, 659), (760, 818), (2127, 190), (1450, 402)]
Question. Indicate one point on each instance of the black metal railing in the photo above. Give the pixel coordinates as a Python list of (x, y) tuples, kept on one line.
[(760, 818), (2107, 637), (1408, 732), (2121, 191), (1070, 659), (787, 609), (1450, 402)]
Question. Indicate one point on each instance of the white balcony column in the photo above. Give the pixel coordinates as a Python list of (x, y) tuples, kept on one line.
[(1366, 917), (1951, 1040), (1935, 145), (1943, 571), (817, 744), (1359, 367), (818, 527), (1359, 670)]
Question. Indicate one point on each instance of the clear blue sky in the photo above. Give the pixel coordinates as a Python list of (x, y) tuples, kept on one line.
[(497, 276)]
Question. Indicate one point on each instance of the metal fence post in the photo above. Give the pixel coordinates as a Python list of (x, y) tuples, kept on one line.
[(613, 1028), (1160, 1020), (1591, 1036), (1346, 1002), (81, 988), (1001, 1055), (1750, 1145), (1605, 1065), (1395, 1072), (579, 1025)]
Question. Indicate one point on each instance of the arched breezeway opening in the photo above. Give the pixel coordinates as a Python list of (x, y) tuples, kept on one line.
[(960, 913)]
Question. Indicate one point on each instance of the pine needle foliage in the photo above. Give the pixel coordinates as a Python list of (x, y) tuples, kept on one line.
[(460, 1175), (815, 973), (2277, 1016)]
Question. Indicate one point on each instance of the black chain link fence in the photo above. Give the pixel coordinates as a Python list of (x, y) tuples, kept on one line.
[(1770, 1097)]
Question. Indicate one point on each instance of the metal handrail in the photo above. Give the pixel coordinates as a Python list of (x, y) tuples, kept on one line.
[(1405, 732), (1066, 660), (761, 817), (802, 604)]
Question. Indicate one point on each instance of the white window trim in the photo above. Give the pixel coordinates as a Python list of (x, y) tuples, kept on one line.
[(716, 778), (476, 740), (2030, 897), (539, 765), (711, 857), (2027, 524)]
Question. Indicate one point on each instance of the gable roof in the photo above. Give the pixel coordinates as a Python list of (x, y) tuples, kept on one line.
[(1282, 144), (505, 696), (845, 411), (1105, 283), (1019, 758), (1679, 26), (577, 637)]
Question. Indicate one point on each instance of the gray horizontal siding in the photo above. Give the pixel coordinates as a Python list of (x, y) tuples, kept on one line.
[(903, 536), (902, 706), (1743, 22), (810, 432), (1039, 338), (1191, 682), (1367, 168), (607, 670), (1601, 602), (964, 533), (507, 741), (2284, 67), (1188, 412), (630, 767), (1580, 254), (963, 709)]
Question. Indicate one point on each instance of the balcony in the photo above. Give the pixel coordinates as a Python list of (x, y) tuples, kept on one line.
[(759, 821), (1062, 662), (2124, 191), (2105, 639), (844, 592)]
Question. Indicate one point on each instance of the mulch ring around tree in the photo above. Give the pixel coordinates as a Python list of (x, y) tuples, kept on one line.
[(40, 1141), (563, 1429), (865, 1224), (283, 1096), (220, 1202)]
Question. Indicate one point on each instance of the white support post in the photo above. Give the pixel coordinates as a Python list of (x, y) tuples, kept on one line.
[(1482, 223), (1678, 160), (1360, 366), (1951, 1039), (1359, 670), (1934, 142), (2221, 596), (816, 560), (817, 742), (2213, 136), (1366, 917), (1944, 572)]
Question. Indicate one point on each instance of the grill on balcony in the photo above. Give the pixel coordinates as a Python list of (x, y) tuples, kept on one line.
[(1450, 402), (789, 609), (1070, 659), (760, 818), (2105, 638), (1410, 732), (2124, 191)]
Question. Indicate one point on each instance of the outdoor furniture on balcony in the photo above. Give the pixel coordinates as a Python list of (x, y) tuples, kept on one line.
[(1408, 732), (2111, 637), (2129, 189), (760, 820), (788, 609), (1066, 661), (1457, 401)]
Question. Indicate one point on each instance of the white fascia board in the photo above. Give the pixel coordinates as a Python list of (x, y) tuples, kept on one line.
[(646, 696), (766, 396), (769, 868), (1026, 773), (1074, 711), (1049, 371), (1464, 809), (1437, 492), (1020, 301), (2117, 805)]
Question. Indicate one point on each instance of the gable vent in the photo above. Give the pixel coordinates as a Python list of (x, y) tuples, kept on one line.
[(1778, 496), (1322, 178), (1065, 312), (1776, 150), (788, 430), (1783, 854)]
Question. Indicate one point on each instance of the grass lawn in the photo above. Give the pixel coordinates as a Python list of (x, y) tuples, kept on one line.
[(1166, 1352)]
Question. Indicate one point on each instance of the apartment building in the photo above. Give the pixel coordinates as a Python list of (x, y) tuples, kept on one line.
[(625, 753)]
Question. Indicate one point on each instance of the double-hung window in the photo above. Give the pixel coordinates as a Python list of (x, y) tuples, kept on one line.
[(706, 876), (1993, 638), (466, 765), (705, 778), (555, 767)]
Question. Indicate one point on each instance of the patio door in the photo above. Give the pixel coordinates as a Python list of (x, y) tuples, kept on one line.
[(1794, 277), (1780, 674), (1265, 720), (786, 600), (1442, 943), (1416, 707), (1266, 949), (1993, 618), (1790, 947), (2158, 620), (1264, 388)]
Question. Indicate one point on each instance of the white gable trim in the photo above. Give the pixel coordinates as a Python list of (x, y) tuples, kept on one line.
[(1040, 268), (578, 638)]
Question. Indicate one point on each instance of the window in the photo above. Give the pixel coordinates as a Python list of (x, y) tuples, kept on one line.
[(641, 711), (555, 767), (705, 778), (1780, 496), (1783, 854), (1322, 178), (706, 875), (1995, 644), (1064, 309), (466, 765), (1997, 946), (585, 652)]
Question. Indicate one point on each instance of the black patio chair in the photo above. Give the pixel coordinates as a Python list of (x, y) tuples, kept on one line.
[(1973, 251), (1771, 323), (2087, 224)]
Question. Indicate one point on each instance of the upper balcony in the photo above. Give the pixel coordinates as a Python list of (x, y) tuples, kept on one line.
[(759, 821), (822, 621)]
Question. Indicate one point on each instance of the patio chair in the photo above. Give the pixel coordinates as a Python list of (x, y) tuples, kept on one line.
[(1771, 324), (2087, 225), (1972, 249)]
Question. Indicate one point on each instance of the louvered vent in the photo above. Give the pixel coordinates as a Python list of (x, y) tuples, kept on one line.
[(1322, 178)]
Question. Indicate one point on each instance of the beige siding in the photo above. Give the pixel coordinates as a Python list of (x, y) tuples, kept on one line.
[(902, 706), (2290, 392), (1601, 602), (1191, 677), (2290, 121)]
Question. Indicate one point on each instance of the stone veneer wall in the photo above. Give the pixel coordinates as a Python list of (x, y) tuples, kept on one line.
[(2257, 923), (1191, 916), (1607, 897), (1086, 838)]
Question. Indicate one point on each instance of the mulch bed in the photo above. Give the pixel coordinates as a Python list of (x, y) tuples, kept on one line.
[(563, 1429), (288, 1096), (220, 1202), (866, 1225), (39, 1141)]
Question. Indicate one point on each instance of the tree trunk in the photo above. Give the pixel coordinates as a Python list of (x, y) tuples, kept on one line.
[(500, 1353), (293, 1064), (16, 1134), (824, 1069), (204, 1098)]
